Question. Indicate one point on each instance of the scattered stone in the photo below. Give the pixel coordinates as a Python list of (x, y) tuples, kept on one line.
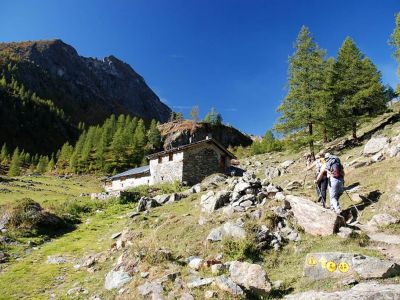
[(345, 232), (210, 202), (199, 282), (146, 203), (195, 262), (226, 284), (286, 164), (229, 230), (116, 235), (313, 218), (362, 291), (3, 257), (153, 289), (336, 264), (293, 185), (162, 199), (374, 145), (241, 187), (250, 276), (272, 172), (382, 220), (144, 274), (116, 279), (56, 260), (378, 157), (213, 181), (279, 196), (217, 269), (209, 294)]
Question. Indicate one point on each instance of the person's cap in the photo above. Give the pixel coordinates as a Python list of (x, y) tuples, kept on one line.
[(327, 155)]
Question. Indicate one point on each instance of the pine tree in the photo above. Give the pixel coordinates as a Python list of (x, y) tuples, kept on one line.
[(42, 164), (213, 117), (50, 165), (139, 143), (15, 164), (395, 41), (4, 156), (154, 136), (305, 82), (359, 88)]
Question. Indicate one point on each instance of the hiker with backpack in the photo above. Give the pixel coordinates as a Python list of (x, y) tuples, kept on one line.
[(321, 179), (335, 174)]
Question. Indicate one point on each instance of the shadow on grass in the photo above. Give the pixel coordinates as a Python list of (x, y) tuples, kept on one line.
[(274, 294), (353, 213)]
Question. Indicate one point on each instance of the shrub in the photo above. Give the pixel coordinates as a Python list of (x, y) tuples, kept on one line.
[(240, 250)]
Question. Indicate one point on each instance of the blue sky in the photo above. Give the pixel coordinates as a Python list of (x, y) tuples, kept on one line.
[(229, 54)]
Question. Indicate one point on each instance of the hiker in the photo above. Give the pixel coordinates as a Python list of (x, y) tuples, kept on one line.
[(308, 159), (335, 173), (321, 179)]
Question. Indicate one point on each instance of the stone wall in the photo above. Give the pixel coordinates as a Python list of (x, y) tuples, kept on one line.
[(166, 170), (200, 162)]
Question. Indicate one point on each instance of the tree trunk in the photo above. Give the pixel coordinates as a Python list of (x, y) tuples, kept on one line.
[(311, 143), (325, 135), (354, 129)]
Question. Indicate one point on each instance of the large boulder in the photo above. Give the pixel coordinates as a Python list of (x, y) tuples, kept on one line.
[(375, 145), (146, 203), (151, 290), (210, 201), (227, 230), (337, 265), (213, 181), (226, 284), (250, 276), (313, 218), (272, 172), (362, 291), (382, 220)]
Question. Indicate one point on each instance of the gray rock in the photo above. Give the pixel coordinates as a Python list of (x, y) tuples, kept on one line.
[(229, 230), (116, 279), (186, 296), (132, 214), (250, 276), (213, 180), (3, 257), (209, 294), (362, 291), (382, 220), (211, 202), (345, 232), (162, 199), (195, 262), (293, 185), (246, 203), (375, 145), (200, 282), (56, 260), (279, 196), (339, 265), (153, 289), (241, 187), (286, 164), (217, 269), (146, 203), (226, 284), (313, 218), (378, 157), (272, 172)]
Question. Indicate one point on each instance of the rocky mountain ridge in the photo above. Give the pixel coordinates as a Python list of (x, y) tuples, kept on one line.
[(87, 89)]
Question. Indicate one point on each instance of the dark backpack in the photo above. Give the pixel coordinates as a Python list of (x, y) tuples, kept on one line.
[(334, 166)]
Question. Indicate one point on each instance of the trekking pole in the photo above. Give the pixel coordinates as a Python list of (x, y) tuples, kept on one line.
[(358, 212), (304, 180)]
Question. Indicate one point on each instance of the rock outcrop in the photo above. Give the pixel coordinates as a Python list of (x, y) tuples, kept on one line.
[(313, 218)]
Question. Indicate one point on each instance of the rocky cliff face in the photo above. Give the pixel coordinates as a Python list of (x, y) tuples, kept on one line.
[(181, 133), (87, 89)]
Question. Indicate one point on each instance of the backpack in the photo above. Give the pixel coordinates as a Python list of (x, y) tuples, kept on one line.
[(334, 166)]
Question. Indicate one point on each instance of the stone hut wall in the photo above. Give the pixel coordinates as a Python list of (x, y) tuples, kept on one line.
[(200, 162), (167, 170)]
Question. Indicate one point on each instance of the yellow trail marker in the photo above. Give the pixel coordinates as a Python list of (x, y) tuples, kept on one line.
[(311, 261), (323, 261), (344, 267), (331, 266)]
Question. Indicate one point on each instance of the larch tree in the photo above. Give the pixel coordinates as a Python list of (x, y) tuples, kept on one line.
[(298, 113), (15, 164), (359, 88), (395, 41)]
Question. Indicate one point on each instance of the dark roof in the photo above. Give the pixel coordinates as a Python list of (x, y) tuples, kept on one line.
[(130, 172), (192, 145)]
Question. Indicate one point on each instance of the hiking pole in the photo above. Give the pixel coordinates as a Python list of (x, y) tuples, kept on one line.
[(304, 180), (358, 212)]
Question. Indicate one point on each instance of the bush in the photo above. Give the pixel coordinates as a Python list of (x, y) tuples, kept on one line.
[(241, 250)]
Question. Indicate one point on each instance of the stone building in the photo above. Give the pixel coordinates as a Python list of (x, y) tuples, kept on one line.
[(188, 164)]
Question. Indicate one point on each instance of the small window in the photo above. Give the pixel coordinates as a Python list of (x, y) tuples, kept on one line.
[(170, 156), (160, 159)]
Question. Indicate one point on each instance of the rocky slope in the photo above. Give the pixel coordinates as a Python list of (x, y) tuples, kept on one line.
[(87, 89), (252, 237)]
